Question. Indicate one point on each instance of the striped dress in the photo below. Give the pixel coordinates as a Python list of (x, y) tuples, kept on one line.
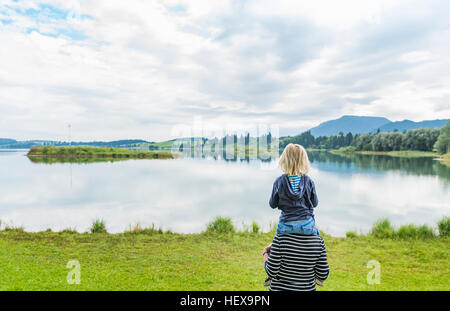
[(295, 262)]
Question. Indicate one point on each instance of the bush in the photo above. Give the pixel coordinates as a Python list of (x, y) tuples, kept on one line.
[(220, 225), (69, 231), (425, 232), (98, 226), (14, 229), (351, 234), (349, 149), (383, 229), (414, 232), (137, 229), (255, 227), (444, 226)]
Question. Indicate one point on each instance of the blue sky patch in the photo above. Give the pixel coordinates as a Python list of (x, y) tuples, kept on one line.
[(48, 15), (73, 34), (178, 9), (48, 11), (70, 33), (6, 21)]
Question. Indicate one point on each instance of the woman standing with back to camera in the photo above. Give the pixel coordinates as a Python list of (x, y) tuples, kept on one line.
[(297, 258)]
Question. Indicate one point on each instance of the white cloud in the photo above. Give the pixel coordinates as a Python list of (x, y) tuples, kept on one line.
[(416, 56), (135, 69)]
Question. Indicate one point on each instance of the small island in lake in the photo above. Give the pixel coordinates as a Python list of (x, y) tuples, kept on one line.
[(52, 154)]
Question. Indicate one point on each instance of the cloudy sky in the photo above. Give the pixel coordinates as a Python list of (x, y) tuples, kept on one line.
[(118, 69)]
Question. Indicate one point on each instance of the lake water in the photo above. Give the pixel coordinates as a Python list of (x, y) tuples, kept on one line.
[(183, 195)]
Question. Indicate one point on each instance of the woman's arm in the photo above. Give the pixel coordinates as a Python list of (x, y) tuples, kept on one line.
[(272, 262), (322, 270)]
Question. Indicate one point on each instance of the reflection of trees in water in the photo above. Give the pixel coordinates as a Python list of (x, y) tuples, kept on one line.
[(228, 156), (324, 156), (55, 160), (414, 166), (442, 170), (247, 159)]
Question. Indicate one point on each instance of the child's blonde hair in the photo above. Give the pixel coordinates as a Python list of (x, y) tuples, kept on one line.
[(294, 160)]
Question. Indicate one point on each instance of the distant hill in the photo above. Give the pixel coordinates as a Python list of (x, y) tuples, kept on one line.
[(345, 124), (406, 125), (363, 124), (6, 141)]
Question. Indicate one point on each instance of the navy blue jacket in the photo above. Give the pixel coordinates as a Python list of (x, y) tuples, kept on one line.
[(294, 206)]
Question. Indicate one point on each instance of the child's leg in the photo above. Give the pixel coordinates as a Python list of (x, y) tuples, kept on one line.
[(316, 231)]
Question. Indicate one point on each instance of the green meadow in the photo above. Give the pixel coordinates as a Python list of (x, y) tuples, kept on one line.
[(218, 259)]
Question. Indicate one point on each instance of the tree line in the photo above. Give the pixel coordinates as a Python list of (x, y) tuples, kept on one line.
[(424, 139)]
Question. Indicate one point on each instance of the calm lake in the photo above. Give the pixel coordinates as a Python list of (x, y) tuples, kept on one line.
[(183, 195)]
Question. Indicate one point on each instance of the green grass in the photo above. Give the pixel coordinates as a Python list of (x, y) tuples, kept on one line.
[(164, 144), (411, 258), (37, 261), (348, 149), (444, 226), (138, 229)]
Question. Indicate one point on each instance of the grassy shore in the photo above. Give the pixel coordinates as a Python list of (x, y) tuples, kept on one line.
[(399, 153), (148, 259), (445, 159), (50, 154)]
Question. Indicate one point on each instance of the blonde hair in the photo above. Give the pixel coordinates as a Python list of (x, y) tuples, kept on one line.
[(294, 160)]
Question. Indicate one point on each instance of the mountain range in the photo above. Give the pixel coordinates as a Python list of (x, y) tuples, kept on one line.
[(364, 124), (345, 124)]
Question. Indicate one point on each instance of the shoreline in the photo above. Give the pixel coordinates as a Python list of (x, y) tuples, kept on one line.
[(382, 228), (397, 153)]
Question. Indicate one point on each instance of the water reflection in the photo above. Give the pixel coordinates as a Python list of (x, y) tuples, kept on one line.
[(421, 166), (184, 194)]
